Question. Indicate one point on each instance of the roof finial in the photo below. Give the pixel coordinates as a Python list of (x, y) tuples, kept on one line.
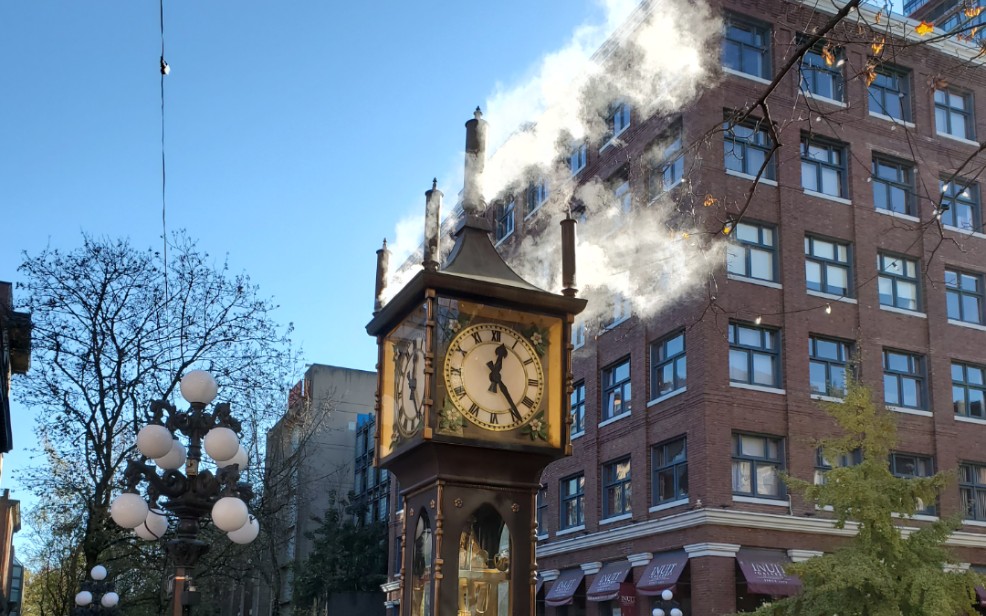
[(434, 184), (478, 114)]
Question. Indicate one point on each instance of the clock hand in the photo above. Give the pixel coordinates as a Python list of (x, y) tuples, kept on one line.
[(501, 352), (513, 407)]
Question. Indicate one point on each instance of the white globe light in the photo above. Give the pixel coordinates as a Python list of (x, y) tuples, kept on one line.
[(128, 510), (154, 441), (229, 513), (110, 599), (98, 573), (658, 612), (221, 443), (676, 612), (198, 386), (83, 598), (666, 594), (247, 533), (239, 459), (153, 527), (173, 459)]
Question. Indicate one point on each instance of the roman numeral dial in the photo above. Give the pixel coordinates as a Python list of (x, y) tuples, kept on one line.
[(494, 377)]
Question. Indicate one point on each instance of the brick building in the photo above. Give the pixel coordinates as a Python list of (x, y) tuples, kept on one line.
[(864, 238)]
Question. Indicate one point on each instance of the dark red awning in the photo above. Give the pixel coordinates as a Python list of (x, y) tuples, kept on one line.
[(564, 588), (662, 573), (765, 574), (607, 583)]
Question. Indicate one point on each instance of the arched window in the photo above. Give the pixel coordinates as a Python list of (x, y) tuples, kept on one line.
[(421, 567), (484, 565)]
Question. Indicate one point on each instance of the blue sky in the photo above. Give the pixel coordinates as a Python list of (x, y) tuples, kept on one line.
[(298, 134)]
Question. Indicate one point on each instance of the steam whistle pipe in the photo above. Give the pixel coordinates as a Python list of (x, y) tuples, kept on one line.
[(383, 263), (433, 210), (568, 256), (472, 190)]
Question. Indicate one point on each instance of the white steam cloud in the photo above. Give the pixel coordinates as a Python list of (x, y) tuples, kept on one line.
[(655, 56)]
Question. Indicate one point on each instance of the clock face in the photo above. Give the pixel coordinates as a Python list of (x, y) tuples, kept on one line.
[(409, 382), (494, 376)]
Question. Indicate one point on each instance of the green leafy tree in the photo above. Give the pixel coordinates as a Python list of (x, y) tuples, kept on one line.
[(882, 570)]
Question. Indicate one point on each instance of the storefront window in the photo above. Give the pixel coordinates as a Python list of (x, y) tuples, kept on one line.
[(484, 565)]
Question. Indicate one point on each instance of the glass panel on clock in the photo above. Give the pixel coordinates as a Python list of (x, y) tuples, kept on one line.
[(484, 565), (421, 568)]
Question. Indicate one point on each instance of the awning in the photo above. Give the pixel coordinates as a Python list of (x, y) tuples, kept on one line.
[(662, 573), (981, 595), (764, 573), (607, 583), (564, 588)]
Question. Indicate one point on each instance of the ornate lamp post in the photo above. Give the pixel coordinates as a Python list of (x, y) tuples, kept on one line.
[(97, 596), (669, 607), (195, 495)]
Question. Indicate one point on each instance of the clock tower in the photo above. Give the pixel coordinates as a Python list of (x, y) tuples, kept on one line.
[(474, 378)]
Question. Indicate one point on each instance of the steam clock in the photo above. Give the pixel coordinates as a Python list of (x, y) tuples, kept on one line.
[(472, 403)]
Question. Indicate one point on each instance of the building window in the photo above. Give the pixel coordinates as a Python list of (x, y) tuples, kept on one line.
[(623, 196), (823, 465), (616, 390), (572, 501), (754, 355), (578, 158), (893, 186), (821, 72), (823, 167), (669, 464), (827, 268), (746, 47), (667, 365), (542, 508), (969, 390), (578, 333), (668, 166), (753, 252), (953, 114), (616, 488), (964, 296), (903, 380), (890, 93), (746, 147), (537, 194), (578, 408), (757, 462), (907, 466), (898, 282), (972, 489), (960, 205), (504, 219), (622, 308), (618, 119), (827, 366)]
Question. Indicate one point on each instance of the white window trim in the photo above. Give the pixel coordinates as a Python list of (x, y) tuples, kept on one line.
[(874, 114), (827, 398), (670, 394), (981, 328), (747, 176), (504, 238), (893, 214), (910, 313), (955, 138), (917, 516), (972, 420), (776, 502), (834, 298), (577, 435), (530, 214), (767, 390), (543, 537), (616, 518), (614, 139), (606, 422), (823, 99), (615, 323), (568, 531), (965, 231), (812, 193), (762, 283), (907, 411), (755, 78), (668, 505), (979, 523)]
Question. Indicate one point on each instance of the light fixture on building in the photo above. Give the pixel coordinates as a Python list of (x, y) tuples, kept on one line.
[(196, 494), (668, 606), (97, 595)]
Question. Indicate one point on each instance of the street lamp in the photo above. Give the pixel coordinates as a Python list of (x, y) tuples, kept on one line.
[(97, 596), (194, 495), (668, 606)]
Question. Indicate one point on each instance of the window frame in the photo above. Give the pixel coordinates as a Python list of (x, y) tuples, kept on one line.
[(578, 156), (661, 464), (759, 140), (967, 386), (763, 51), (659, 358), (668, 169), (621, 487), (952, 201), (975, 488), (895, 279), (541, 510), (623, 385), (757, 462), (916, 371), (929, 463), (577, 408), (536, 195), (812, 68), (958, 291), (751, 352), (618, 120), (577, 498), (822, 465), (749, 247), (902, 76), (825, 264), (904, 181), (842, 361), (945, 106), (505, 219), (831, 147)]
